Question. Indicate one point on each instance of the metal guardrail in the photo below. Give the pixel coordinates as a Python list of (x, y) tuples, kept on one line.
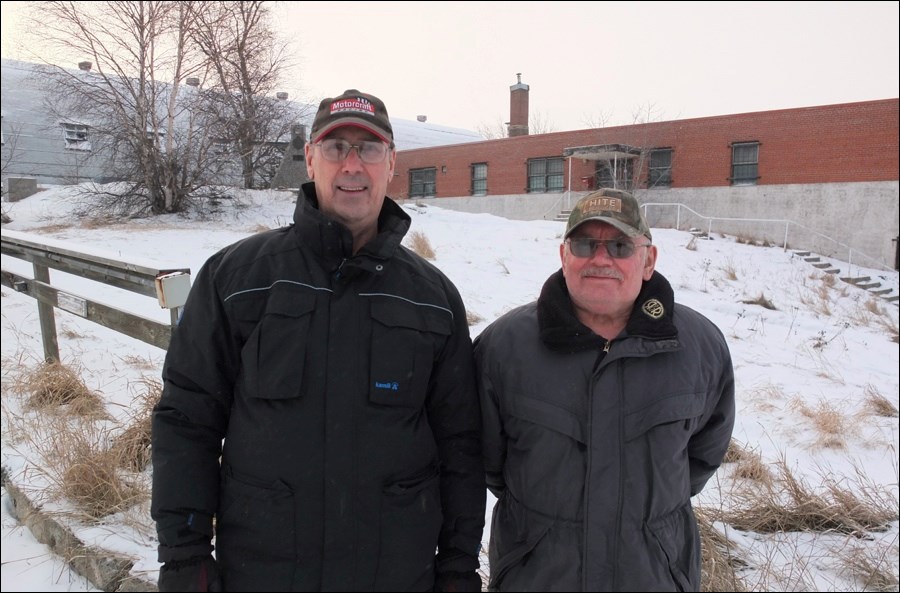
[(169, 286)]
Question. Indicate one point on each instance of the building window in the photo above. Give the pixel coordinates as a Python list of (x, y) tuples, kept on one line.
[(421, 182), (479, 179), (660, 168), (76, 136), (545, 175), (744, 163)]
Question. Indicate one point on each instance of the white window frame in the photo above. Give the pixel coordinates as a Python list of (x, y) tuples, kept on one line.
[(76, 136)]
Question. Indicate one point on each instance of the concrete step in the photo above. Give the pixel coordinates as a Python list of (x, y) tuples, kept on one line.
[(857, 280), (882, 291), (868, 286), (821, 265), (802, 253)]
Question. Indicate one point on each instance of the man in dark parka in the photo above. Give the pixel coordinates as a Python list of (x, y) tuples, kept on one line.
[(606, 406)]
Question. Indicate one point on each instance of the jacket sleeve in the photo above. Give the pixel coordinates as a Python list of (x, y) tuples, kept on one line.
[(708, 445), (189, 422), (455, 419), (492, 437)]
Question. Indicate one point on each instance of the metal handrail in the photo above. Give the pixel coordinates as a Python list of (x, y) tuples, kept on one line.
[(877, 264)]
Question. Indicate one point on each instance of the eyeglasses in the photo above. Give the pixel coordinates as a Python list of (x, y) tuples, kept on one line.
[(616, 248), (370, 151)]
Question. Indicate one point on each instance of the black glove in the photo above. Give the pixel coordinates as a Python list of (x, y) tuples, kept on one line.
[(200, 573), (456, 582)]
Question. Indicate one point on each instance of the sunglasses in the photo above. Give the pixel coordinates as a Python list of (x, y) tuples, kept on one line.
[(616, 248)]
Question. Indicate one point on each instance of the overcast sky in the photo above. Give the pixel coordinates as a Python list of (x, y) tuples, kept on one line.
[(587, 62)]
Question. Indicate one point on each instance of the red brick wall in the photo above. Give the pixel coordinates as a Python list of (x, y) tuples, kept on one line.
[(828, 144)]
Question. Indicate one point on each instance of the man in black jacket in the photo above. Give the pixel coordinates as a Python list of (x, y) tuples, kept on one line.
[(319, 415)]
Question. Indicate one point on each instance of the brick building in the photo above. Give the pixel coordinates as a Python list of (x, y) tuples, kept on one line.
[(806, 171)]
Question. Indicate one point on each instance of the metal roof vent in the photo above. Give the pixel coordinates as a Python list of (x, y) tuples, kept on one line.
[(421, 118), (282, 96), (85, 66), (192, 81)]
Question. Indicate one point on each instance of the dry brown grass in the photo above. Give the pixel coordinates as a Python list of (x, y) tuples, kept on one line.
[(420, 244), (730, 271), (717, 559), (890, 327), (51, 228), (53, 385), (761, 300), (73, 456), (736, 451), (131, 447), (828, 280), (879, 404), (789, 504), (140, 362), (473, 318), (873, 568), (752, 467), (89, 476), (829, 421)]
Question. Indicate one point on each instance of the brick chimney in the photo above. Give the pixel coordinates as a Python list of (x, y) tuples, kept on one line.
[(518, 108)]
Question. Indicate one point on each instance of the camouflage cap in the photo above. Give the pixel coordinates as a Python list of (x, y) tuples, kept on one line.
[(612, 206)]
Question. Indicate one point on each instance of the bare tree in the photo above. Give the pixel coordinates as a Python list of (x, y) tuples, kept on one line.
[(128, 98), (538, 123), (245, 63), (628, 163), (599, 120)]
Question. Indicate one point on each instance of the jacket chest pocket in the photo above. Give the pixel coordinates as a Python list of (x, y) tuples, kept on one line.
[(274, 356), (669, 422), (406, 338)]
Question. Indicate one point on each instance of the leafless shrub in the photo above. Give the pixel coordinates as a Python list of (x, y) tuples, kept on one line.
[(789, 504), (473, 318), (420, 244), (53, 384), (879, 404), (502, 264), (828, 280), (260, 228)]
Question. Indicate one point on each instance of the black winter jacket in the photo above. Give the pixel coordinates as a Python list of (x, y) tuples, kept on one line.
[(339, 392), (594, 449)]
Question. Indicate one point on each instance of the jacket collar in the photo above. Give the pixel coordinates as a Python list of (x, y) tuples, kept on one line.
[(651, 318), (333, 241)]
